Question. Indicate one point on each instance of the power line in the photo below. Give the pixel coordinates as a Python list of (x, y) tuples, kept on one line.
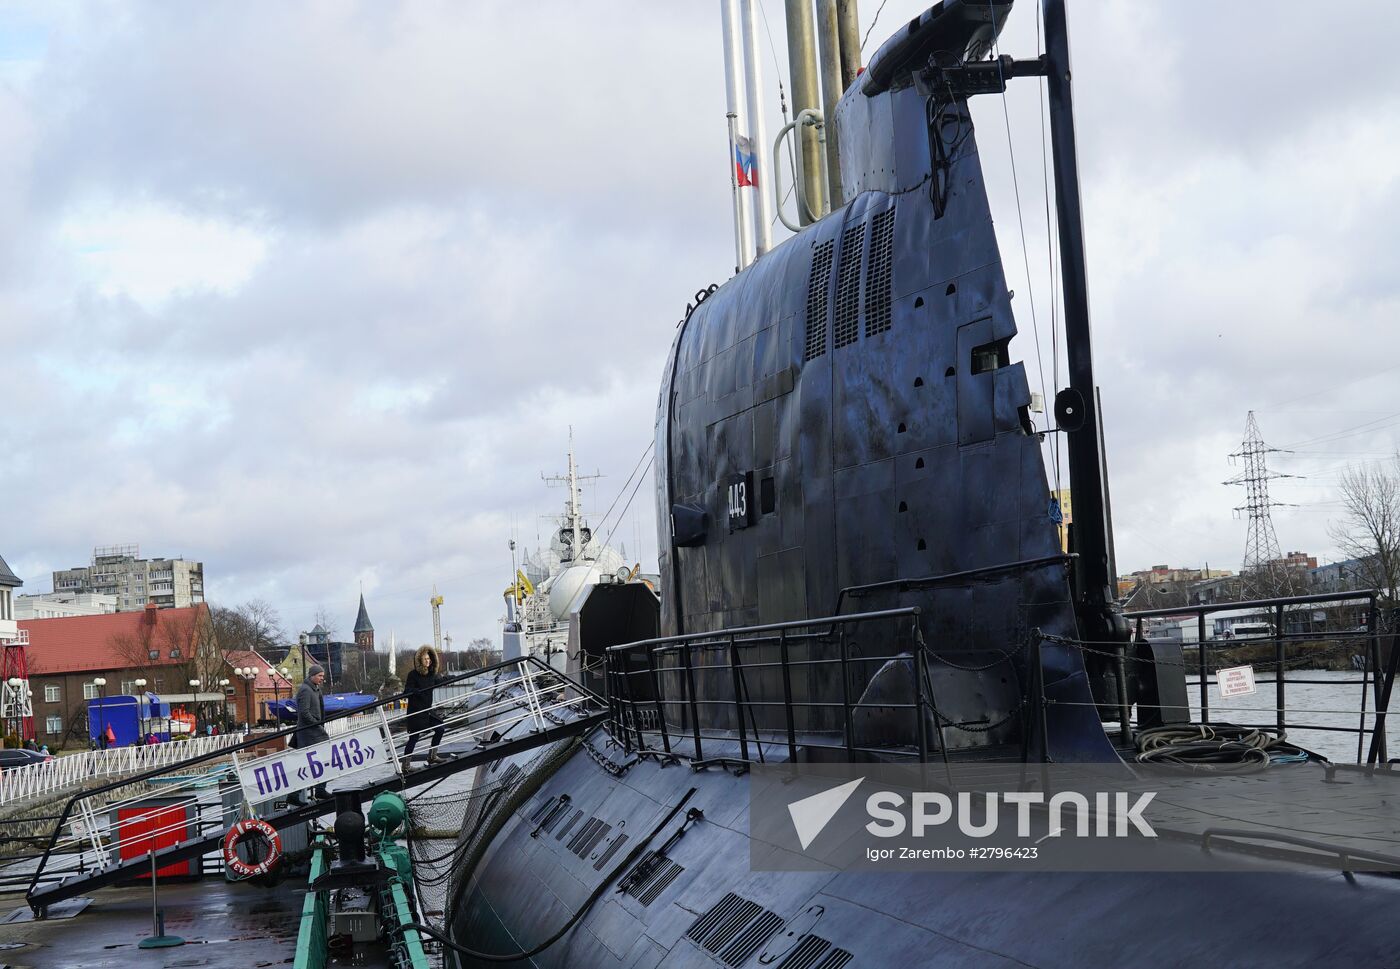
[(635, 489), (1327, 390), (1364, 427), (645, 451), (871, 30), (1020, 219)]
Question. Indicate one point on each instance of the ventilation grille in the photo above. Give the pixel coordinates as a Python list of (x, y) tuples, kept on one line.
[(818, 283), (814, 952), (567, 825), (555, 815), (608, 853), (541, 811), (722, 922), (753, 938), (736, 925), (847, 326), (509, 777), (588, 837), (651, 877), (877, 277)]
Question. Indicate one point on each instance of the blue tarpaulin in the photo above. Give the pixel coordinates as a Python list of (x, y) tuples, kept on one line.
[(286, 710)]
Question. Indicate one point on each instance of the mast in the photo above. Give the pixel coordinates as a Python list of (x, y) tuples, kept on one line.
[(829, 45), (848, 25), (1077, 406), (758, 131), (802, 65), (573, 498), (743, 243), (572, 526)]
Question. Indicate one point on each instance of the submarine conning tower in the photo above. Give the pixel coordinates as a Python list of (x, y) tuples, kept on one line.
[(840, 427)]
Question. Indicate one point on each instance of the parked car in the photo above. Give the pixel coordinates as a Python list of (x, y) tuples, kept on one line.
[(19, 757)]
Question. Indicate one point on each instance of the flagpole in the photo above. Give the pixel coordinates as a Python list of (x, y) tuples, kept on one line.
[(743, 244), (763, 201)]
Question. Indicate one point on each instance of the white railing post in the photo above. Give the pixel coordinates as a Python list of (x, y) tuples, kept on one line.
[(389, 736), (528, 682)]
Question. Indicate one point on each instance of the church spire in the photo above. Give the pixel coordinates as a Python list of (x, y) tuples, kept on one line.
[(364, 629)]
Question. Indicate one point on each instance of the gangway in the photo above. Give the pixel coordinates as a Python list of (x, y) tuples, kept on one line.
[(89, 848)]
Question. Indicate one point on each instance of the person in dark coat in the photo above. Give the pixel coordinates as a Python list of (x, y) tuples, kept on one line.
[(421, 717), (311, 714), (311, 709)]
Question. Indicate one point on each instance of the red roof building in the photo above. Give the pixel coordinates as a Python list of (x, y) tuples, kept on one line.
[(165, 647), (116, 641)]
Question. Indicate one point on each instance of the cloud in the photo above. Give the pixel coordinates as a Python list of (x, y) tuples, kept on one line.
[(314, 292)]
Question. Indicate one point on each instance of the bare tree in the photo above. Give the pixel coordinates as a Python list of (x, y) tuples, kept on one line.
[(170, 650), (1369, 530), (364, 671), (1158, 595), (254, 625)]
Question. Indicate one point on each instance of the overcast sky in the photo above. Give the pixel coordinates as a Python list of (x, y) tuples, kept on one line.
[(312, 292)]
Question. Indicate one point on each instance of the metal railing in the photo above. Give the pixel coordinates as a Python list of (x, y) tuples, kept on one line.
[(89, 837), (677, 692), (60, 773), (754, 687), (1297, 648)]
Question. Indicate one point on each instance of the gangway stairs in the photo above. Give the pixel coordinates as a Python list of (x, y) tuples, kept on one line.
[(506, 709)]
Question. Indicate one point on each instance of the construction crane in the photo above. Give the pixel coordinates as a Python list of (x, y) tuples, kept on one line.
[(436, 603)]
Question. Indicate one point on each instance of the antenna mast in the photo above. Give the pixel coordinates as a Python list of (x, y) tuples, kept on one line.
[(1076, 406), (573, 508)]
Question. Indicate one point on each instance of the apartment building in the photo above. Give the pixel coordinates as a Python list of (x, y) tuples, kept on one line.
[(118, 570), (61, 605)]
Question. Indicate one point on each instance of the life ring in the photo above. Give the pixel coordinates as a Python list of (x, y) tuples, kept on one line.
[(252, 827)]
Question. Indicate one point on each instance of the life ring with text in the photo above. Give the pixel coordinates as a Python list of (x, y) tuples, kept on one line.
[(252, 828)]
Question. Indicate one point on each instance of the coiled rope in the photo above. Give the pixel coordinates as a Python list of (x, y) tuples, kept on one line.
[(1220, 748)]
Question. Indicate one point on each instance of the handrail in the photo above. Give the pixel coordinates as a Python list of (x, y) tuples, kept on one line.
[(1374, 679), (57, 773), (807, 117), (767, 627), (939, 579), (1343, 853), (262, 739), (631, 711), (1209, 607)]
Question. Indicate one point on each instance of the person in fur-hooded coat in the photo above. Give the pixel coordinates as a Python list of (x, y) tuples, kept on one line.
[(421, 717)]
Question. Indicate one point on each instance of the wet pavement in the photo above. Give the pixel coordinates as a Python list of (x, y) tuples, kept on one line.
[(224, 925)]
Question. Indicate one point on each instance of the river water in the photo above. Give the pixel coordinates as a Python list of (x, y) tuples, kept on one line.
[(1330, 698)]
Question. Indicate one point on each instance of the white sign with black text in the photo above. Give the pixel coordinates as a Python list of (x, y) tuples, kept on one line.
[(1235, 681), (302, 768)]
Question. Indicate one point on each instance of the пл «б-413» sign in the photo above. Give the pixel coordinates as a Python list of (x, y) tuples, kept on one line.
[(297, 770)]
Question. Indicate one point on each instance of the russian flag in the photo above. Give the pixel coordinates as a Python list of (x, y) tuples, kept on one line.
[(745, 162)]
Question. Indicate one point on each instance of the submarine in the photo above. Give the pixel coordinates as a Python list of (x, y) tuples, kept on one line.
[(861, 562)]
